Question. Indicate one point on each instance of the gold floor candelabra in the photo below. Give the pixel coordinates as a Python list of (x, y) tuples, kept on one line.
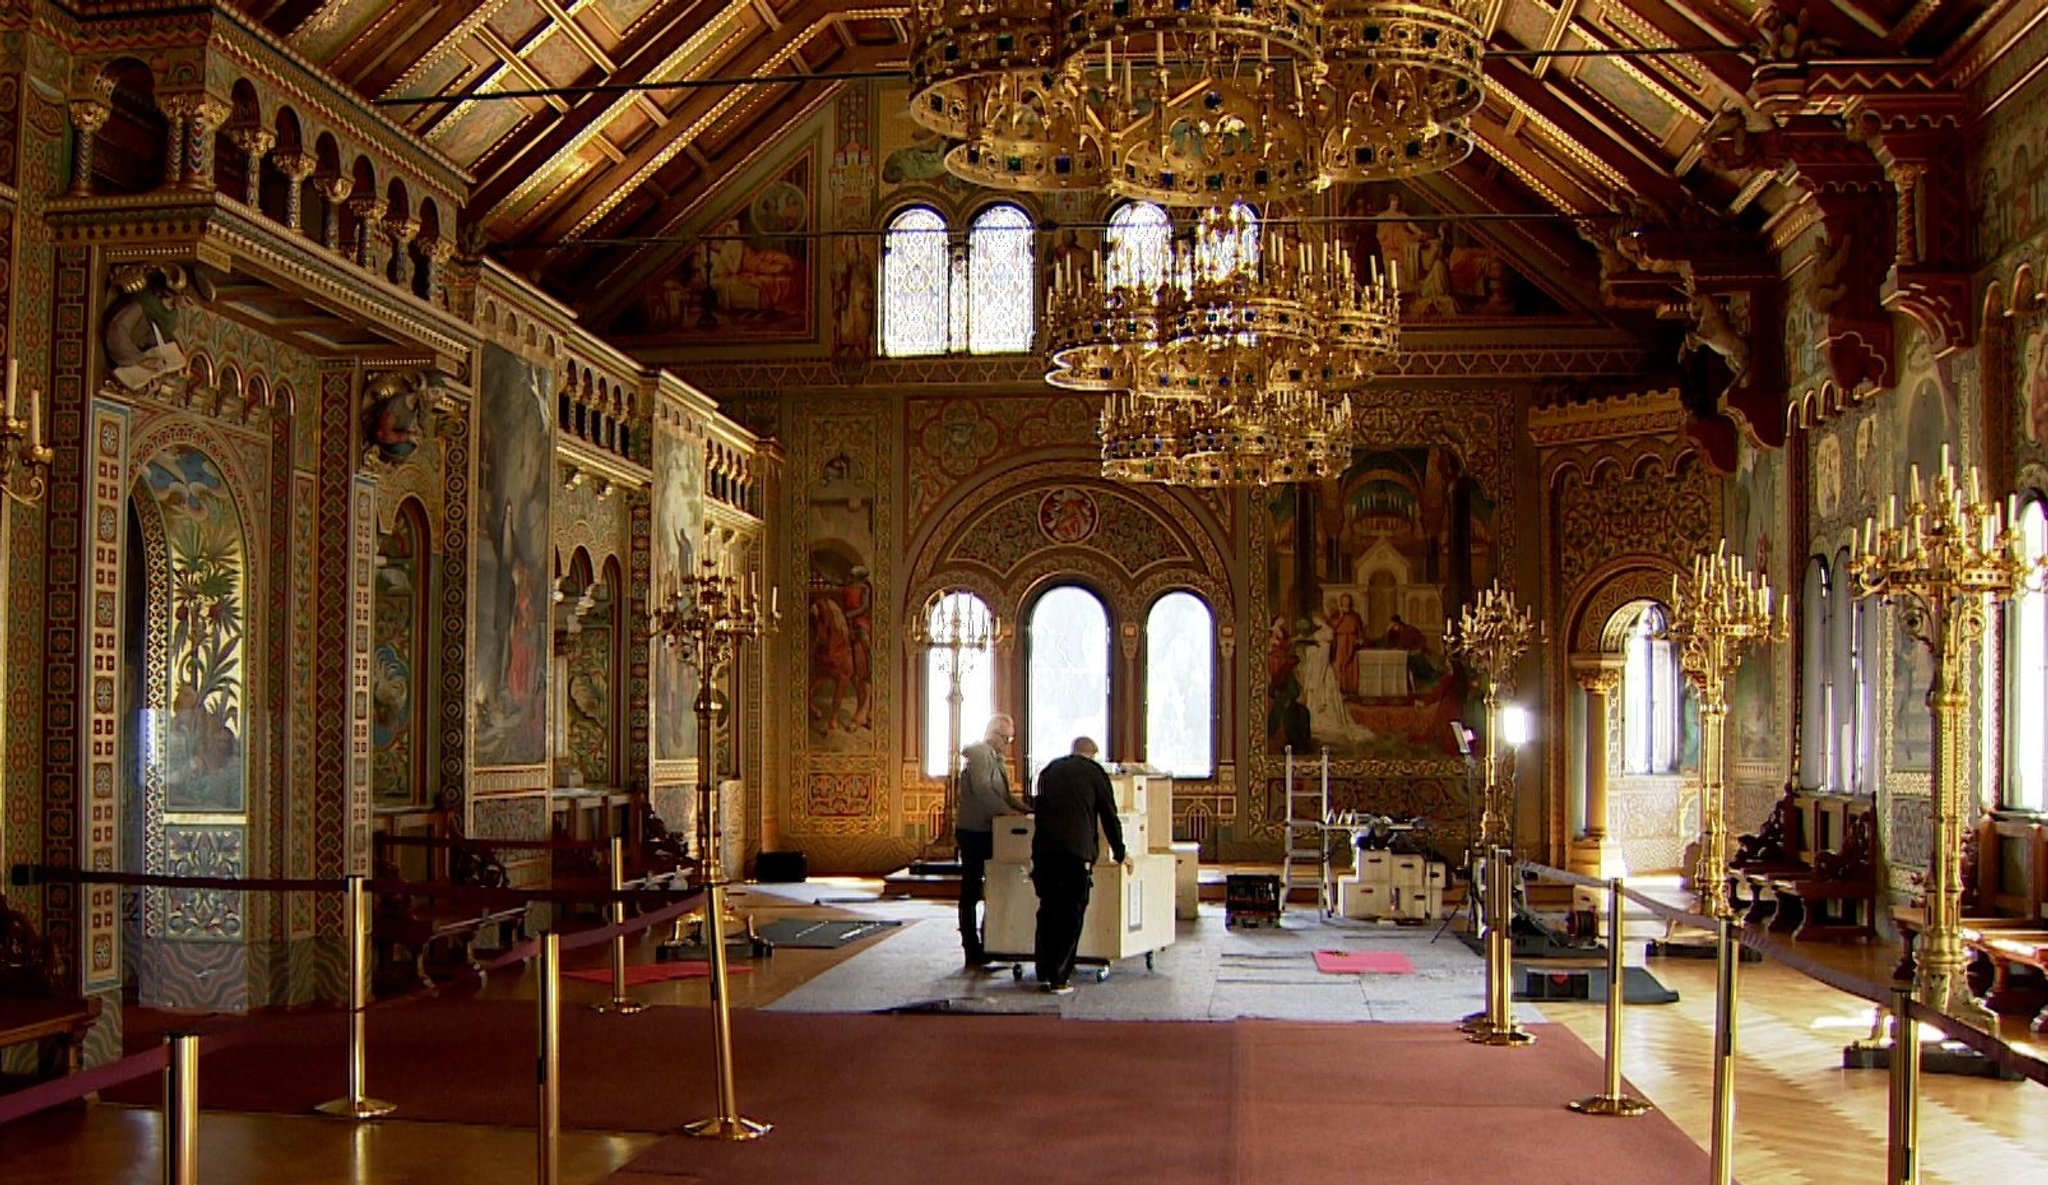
[(1718, 611), (707, 617), (1491, 636), (958, 624), (1940, 567)]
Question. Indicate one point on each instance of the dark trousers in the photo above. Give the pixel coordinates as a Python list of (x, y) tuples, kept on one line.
[(975, 849), (1063, 884)]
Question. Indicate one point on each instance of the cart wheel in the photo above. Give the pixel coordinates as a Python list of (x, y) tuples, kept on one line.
[(1148, 960), (1101, 974), (1017, 972)]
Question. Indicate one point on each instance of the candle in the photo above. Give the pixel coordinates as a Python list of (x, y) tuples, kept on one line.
[(1913, 480), (774, 600), (35, 420), (13, 375)]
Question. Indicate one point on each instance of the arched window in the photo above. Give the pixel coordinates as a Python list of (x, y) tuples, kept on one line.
[(980, 300), (2026, 664), (1844, 673), (1138, 241), (1066, 676), (915, 280), (1180, 678), (969, 616), (999, 273), (1816, 707), (1227, 241), (1650, 706)]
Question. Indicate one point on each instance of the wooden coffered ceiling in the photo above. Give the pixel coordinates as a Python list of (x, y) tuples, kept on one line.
[(1563, 134)]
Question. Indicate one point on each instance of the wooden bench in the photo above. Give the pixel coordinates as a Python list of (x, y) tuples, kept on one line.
[(1812, 870), (436, 930), (32, 1010)]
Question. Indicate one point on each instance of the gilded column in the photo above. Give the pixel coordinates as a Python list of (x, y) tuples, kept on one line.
[(193, 118), (177, 110), (255, 143), (434, 256), (367, 248), (1592, 852), (296, 167), (88, 116), (401, 232)]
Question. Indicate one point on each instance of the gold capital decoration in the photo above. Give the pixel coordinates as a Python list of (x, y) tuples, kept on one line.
[(1491, 635), (1719, 610), (1950, 557)]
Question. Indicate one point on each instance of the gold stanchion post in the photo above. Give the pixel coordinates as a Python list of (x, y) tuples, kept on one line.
[(1902, 1160), (181, 1110), (1721, 1153), (1499, 1027), (709, 616), (355, 914), (1611, 1101), (548, 1062), (620, 1003), (1481, 891), (1951, 559)]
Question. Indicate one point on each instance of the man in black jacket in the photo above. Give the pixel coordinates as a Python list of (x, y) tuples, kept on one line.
[(1074, 804)]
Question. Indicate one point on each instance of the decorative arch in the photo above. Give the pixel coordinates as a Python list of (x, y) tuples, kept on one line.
[(401, 657), (1621, 582)]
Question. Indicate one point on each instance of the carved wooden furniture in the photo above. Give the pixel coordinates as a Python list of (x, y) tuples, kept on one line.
[(436, 930), (1811, 870), (32, 1010), (2005, 922)]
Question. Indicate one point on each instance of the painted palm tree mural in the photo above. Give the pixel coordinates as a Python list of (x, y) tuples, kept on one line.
[(201, 744)]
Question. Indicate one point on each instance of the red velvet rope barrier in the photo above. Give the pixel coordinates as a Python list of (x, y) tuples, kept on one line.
[(476, 894)]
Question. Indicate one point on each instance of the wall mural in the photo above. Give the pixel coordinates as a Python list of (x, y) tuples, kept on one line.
[(1443, 272), (840, 607), (1929, 414), (395, 663), (514, 484), (200, 736), (678, 538), (1756, 513), (749, 277), (1365, 571)]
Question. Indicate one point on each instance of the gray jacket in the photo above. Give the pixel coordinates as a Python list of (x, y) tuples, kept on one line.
[(985, 789)]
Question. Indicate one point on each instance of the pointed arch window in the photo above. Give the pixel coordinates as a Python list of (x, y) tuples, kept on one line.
[(1650, 697), (1816, 699), (2026, 664), (1845, 679), (1066, 676), (977, 682), (939, 297), (1180, 686)]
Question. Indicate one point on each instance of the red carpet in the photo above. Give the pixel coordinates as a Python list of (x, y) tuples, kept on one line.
[(1370, 962), (640, 973), (896, 1099)]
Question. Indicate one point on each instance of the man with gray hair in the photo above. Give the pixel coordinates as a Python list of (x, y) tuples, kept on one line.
[(1075, 804), (984, 794)]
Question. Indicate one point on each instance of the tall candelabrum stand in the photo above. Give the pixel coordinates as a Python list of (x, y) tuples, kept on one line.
[(1719, 611), (958, 624), (1950, 558), (708, 618), (1491, 636)]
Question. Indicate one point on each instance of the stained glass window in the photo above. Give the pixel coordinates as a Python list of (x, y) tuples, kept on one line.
[(1650, 708), (915, 284), (2026, 781), (939, 297), (977, 682), (1180, 677), (1137, 240), (1066, 676), (999, 269), (1228, 242)]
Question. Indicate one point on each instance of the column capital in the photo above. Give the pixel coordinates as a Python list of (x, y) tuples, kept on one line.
[(89, 115), (296, 164), (335, 189), (369, 208), (1598, 675), (252, 139)]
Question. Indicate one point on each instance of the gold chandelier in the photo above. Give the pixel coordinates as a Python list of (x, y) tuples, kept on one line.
[(1199, 103)]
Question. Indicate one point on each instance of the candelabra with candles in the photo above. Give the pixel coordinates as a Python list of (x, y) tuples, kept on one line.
[(1940, 567), (960, 625), (24, 455), (1491, 636), (1719, 610), (707, 617)]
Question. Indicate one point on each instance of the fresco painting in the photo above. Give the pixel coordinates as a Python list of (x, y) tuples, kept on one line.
[(394, 679), (1443, 272), (1930, 420), (1755, 698), (678, 541), (514, 482), (201, 733), (1367, 570), (750, 276), (839, 609)]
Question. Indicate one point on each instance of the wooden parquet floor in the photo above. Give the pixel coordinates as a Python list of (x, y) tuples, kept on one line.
[(1800, 1120)]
